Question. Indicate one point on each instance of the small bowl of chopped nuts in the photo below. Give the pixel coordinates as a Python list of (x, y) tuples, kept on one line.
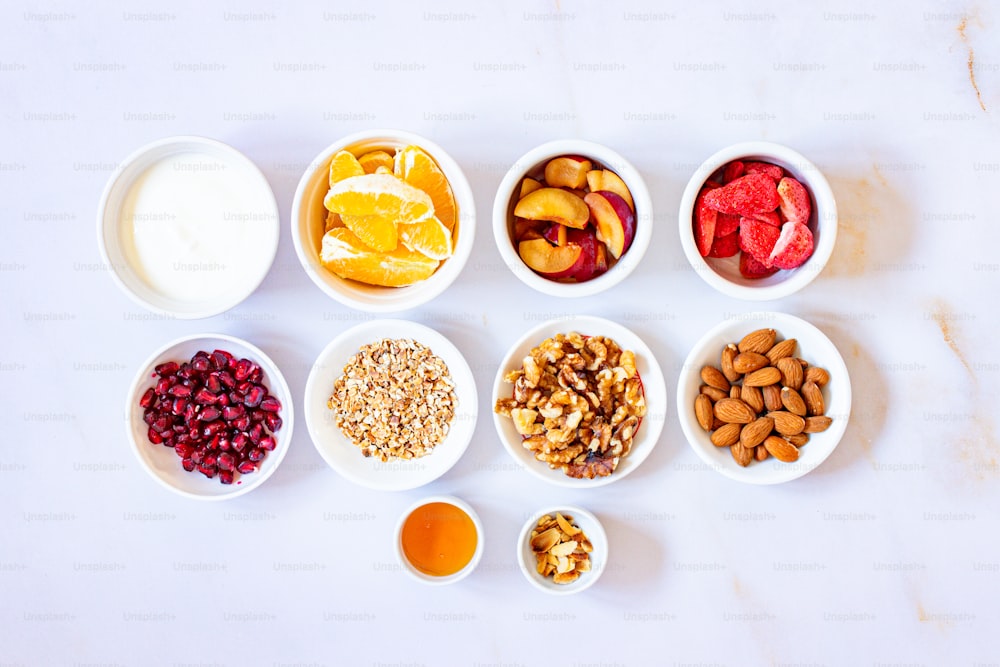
[(764, 398), (562, 550), (391, 404), (579, 401)]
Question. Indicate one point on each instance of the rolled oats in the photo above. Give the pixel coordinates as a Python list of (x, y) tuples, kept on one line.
[(395, 399)]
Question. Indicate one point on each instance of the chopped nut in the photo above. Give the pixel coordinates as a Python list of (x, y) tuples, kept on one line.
[(561, 548)]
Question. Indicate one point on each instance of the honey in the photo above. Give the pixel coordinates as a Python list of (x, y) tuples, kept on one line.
[(439, 539)]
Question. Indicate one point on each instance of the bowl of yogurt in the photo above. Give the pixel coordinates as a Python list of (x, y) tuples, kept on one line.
[(188, 227)]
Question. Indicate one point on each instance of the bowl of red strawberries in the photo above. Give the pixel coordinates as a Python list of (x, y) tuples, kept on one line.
[(758, 221)]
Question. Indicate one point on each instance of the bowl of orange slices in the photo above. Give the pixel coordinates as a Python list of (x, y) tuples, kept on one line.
[(383, 220)]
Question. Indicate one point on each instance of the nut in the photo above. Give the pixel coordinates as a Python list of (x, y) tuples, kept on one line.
[(763, 377), (759, 341), (714, 393), (734, 411), (791, 372), (713, 377), (741, 454), (754, 433), (729, 353), (818, 375), (562, 550), (793, 402), (748, 362), (703, 411), (726, 435), (816, 424), (753, 397), (813, 398), (781, 349), (781, 449), (772, 397), (787, 423)]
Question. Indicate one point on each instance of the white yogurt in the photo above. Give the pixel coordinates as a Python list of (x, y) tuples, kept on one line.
[(197, 227)]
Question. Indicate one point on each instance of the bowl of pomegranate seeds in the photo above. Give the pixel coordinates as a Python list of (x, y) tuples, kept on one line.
[(758, 221), (209, 416)]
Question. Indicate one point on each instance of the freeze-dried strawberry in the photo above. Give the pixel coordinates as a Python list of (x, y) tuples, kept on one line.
[(758, 238), (732, 171), (771, 170), (725, 246), (704, 222), (794, 201), (752, 269), (770, 218), (726, 224), (747, 195), (793, 247)]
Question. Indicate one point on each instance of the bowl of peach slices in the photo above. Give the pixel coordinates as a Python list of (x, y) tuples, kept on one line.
[(572, 218), (383, 220)]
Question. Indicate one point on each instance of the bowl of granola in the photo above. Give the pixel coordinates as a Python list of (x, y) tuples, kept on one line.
[(390, 404), (579, 401)]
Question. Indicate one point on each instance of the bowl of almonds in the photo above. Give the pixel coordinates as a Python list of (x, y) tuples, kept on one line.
[(562, 550), (764, 398)]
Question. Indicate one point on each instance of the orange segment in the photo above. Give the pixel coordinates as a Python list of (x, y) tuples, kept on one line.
[(376, 232), (372, 161), (379, 194), (343, 166), (345, 255), (418, 169), (429, 237), (332, 221)]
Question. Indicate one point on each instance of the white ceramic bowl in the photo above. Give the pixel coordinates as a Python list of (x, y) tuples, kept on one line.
[(590, 526), (654, 389), (161, 462), (237, 171), (309, 216), (724, 274), (532, 163), (343, 455), (431, 579), (814, 347)]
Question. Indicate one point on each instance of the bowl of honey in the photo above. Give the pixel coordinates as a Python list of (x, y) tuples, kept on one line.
[(439, 540)]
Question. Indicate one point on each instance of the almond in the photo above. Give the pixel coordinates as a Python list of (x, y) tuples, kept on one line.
[(763, 377), (786, 423), (781, 449), (713, 377), (798, 439), (782, 349), (759, 341), (818, 375), (793, 402), (754, 433), (813, 396), (734, 411), (713, 393), (729, 353), (760, 452), (772, 397), (748, 362), (791, 372), (735, 391), (703, 411), (752, 397), (817, 424), (726, 435), (743, 455)]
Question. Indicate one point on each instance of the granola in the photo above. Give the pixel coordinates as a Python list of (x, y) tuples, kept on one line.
[(395, 399), (577, 403)]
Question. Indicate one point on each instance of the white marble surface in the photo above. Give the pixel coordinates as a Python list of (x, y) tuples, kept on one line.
[(888, 554)]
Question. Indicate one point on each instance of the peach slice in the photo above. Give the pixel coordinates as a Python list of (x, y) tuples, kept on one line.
[(612, 182), (529, 185), (569, 171), (601, 259), (547, 259), (527, 229), (554, 205), (614, 220), (556, 233)]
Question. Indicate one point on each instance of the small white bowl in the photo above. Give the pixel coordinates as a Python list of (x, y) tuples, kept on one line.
[(343, 455), (161, 462), (236, 171), (428, 578), (309, 217), (814, 347), (534, 161), (654, 389), (590, 526), (724, 273)]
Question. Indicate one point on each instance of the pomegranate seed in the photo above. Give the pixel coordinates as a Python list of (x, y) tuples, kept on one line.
[(213, 383), (167, 368), (223, 400), (213, 444), (207, 470), (255, 433), (224, 444), (224, 354), (193, 434), (147, 398), (179, 406), (256, 375), (163, 386), (226, 461), (241, 423), (227, 380), (184, 372), (257, 416), (243, 369), (183, 451), (181, 438), (161, 424), (234, 398), (256, 455), (240, 441), (226, 476), (267, 443), (231, 412), (200, 364), (220, 359), (210, 460), (154, 437), (247, 467), (180, 390), (270, 404), (204, 397), (212, 428), (198, 456), (243, 387), (273, 421), (254, 396), (188, 464), (189, 412), (209, 414), (149, 416)]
